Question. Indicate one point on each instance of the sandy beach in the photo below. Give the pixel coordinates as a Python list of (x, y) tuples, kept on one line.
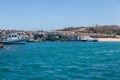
[(109, 39)]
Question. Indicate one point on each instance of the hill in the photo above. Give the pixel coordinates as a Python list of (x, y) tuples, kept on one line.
[(95, 31)]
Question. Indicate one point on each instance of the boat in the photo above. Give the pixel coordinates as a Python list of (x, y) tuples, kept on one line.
[(14, 38), (89, 39)]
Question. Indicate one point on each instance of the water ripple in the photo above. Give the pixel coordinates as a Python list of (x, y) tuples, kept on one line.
[(61, 61)]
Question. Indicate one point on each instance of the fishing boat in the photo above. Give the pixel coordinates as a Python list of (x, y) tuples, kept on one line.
[(14, 38)]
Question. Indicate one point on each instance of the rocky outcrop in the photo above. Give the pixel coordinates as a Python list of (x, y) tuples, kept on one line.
[(1, 45), (97, 31)]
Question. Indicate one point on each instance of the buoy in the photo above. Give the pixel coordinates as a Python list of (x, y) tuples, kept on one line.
[(1, 45)]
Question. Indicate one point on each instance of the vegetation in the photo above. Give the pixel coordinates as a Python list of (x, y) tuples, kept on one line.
[(109, 32), (55, 37)]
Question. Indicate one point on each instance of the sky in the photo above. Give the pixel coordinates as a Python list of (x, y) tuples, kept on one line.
[(57, 14)]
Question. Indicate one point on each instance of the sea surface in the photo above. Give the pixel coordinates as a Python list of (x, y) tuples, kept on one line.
[(61, 61)]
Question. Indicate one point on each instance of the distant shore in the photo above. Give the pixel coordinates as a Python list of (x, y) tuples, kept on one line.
[(109, 39)]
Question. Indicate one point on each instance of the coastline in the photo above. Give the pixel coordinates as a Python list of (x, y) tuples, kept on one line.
[(109, 39)]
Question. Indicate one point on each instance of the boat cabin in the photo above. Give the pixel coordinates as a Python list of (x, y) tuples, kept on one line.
[(13, 36)]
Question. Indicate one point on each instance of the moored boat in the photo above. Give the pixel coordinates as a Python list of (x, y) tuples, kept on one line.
[(89, 39), (14, 38)]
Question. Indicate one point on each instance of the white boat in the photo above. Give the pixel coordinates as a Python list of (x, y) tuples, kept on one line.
[(14, 38), (89, 39)]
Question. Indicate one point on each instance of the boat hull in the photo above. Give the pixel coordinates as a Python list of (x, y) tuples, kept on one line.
[(89, 40), (17, 41)]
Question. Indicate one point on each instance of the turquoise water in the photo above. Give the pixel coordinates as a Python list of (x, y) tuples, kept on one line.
[(61, 61)]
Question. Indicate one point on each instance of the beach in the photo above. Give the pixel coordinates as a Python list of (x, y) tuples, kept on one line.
[(109, 39)]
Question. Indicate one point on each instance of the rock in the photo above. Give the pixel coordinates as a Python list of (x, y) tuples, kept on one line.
[(1, 45)]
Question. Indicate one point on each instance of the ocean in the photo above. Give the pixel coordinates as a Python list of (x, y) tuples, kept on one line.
[(61, 61)]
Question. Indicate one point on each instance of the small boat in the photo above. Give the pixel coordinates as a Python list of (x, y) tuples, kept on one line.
[(89, 39), (14, 38)]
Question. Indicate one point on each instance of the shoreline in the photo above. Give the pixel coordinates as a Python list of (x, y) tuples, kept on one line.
[(108, 39)]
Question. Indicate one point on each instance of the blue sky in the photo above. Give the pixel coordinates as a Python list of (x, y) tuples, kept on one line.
[(57, 14)]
